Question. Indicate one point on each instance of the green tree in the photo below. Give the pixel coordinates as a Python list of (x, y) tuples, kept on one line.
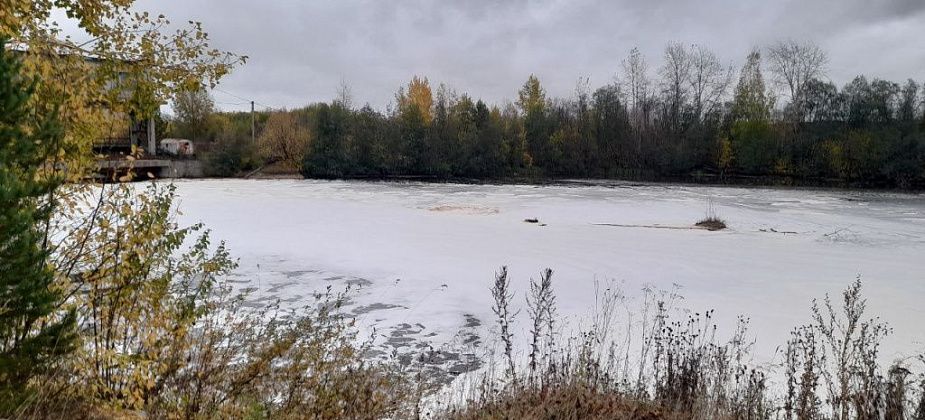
[(486, 157), (514, 145), (820, 101), (753, 101), (908, 106), (233, 150), (327, 156), (884, 97), (858, 102), (752, 134), (532, 103), (754, 146), (192, 111), (613, 130), (368, 146), (414, 141), (32, 329)]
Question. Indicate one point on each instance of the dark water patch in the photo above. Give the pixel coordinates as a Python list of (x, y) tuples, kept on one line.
[(374, 354), (292, 299), (279, 286), (358, 282), (471, 321), (237, 281), (471, 364), (409, 345), (360, 310), (400, 341), (405, 329), (294, 274), (471, 339), (350, 281), (261, 302), (333, 305)]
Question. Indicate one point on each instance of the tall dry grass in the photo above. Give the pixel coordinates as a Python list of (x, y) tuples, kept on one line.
[(656, 364)]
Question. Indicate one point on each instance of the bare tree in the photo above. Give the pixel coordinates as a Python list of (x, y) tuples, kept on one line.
[(344, 95), (709, 81), (793, 64), (582, 95), (636, 79), (636, 83), (676, 75)]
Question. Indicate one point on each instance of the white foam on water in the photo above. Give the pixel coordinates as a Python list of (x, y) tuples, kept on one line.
[(420, 266)]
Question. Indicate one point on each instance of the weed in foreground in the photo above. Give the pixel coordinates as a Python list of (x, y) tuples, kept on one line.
[(685, 370)]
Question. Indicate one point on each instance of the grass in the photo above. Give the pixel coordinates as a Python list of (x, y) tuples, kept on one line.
[(563, 401), (648, 363), (640, 358), (711, 221), (712, 224)]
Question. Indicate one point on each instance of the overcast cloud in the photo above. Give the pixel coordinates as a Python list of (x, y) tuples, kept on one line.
[(301, 50)]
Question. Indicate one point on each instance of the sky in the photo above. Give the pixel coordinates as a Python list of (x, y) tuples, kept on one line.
[(301, 51)]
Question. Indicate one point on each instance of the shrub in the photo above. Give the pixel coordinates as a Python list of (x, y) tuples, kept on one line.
[(284, 140), (711, 221), (684, 371), (231, 154), (163, 336), (755, 146)]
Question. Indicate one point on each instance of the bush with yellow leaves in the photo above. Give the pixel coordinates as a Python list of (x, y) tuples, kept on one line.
[(162, 335)]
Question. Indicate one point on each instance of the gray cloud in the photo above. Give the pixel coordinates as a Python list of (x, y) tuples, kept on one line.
[(300, 50)]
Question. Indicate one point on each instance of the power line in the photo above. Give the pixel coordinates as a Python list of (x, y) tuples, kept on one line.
[(231, 103), (231, 94), (246, 100)]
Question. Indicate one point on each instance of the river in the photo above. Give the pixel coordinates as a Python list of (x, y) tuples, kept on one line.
[(420, 258)]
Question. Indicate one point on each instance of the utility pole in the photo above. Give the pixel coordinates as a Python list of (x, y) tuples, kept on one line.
[(253, 124)]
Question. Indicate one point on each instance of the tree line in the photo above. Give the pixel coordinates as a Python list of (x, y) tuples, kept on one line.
[(777, 118)]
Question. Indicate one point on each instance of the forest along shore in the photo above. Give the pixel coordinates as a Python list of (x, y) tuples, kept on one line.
[(731, 126)]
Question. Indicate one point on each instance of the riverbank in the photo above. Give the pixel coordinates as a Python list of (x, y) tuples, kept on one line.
[(820, 184)]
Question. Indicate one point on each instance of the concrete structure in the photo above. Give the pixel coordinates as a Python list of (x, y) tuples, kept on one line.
[(145, 168)]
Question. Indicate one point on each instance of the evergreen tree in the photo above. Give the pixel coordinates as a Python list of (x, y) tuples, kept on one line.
[(327, 156), (32, 332), (752, 136), (753, 101)]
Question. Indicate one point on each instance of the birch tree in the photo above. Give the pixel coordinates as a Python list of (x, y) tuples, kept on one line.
[(709, 80), (793, 64), (676, 74)]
